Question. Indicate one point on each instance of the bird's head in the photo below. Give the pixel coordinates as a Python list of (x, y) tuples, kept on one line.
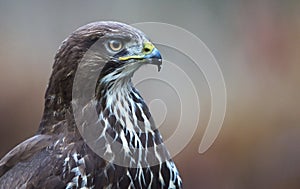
[(114, 50), (124, 49)]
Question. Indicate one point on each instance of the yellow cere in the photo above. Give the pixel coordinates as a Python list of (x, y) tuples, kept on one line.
[(148, 47)]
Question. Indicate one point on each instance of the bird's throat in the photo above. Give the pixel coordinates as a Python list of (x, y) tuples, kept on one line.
[(124, 108)]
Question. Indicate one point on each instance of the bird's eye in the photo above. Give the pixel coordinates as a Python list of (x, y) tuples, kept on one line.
[(115, 45)]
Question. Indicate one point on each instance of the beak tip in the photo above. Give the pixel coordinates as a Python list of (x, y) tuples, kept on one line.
[(158, 62), (159, 67)]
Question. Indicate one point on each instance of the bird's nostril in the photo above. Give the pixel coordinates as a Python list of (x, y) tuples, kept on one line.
[(146, 49)]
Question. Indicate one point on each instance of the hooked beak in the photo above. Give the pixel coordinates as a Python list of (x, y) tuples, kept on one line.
[(149, 53)]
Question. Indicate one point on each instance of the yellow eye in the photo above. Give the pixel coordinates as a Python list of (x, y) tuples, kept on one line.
[(115, 45)]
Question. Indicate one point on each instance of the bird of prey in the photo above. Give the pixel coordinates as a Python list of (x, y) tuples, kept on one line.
[(58, 156)]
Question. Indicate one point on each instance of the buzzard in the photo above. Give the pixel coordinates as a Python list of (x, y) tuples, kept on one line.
[(97, 62)]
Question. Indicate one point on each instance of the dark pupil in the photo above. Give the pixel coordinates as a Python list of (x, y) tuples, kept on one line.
[(116, 44)]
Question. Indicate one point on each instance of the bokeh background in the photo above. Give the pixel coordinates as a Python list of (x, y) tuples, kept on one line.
[(257, 45)]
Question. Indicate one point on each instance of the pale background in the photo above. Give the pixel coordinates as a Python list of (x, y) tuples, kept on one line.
[(256, 43)]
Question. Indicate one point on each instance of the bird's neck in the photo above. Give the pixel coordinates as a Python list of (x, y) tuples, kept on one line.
[(122, 124), (128, 133), (123, 107)]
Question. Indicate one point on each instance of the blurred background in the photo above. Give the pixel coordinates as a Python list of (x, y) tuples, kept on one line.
[(256, 43)]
